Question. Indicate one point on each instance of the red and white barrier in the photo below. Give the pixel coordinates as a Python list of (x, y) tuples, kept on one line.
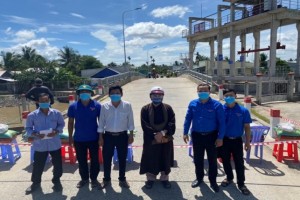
[(24, 117), (221, 88), (247, 104), (71, 99), (100, 89), (274, 121)]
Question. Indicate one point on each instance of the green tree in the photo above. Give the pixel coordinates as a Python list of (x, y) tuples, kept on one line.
[(10, 61), (89, 62), (263, 62), (112, 64)]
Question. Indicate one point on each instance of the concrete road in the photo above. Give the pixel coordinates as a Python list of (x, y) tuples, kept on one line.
[(267, 180)]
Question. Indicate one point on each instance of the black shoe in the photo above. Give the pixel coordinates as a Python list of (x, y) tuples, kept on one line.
[(82, 183), (104, 184), (57, 187), (95, 183), (149, 184), (32, 188), (166, 184), (124, 184), (215, 187), (196, 183)]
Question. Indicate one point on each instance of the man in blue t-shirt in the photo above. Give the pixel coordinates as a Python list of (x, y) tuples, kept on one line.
[(237, 122), (85, 113), (206, 116)]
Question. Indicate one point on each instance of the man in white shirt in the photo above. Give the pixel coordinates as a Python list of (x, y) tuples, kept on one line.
[(116, 119)]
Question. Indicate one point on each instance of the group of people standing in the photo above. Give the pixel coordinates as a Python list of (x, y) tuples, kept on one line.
[(213, 127)]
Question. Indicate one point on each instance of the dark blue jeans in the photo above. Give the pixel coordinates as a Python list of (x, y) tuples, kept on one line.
[(109, 144)]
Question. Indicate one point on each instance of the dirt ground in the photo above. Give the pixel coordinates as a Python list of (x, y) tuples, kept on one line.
[(12, 115)]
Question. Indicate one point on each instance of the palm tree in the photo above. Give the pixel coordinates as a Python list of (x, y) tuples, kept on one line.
[(67, 56), (28, 53), (9, 60)]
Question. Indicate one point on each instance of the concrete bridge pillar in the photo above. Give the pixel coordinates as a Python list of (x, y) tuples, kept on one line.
[(243, 58), (273, 44), (256, 35), (210, 69), (220, 55), (291, 86), (297, 71), (259, 88), (192, 46), (232, 53)]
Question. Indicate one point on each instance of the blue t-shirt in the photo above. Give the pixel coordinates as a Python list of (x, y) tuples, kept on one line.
[(235, 119), (205, 117), (86, 120)]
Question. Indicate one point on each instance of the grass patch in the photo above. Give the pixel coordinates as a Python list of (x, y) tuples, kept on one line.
[(258, 115)]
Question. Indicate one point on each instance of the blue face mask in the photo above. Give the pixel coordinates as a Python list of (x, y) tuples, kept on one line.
[(85, 96), (115, 97), (203, 95), (229, 100), (157, 100), (44, 105)]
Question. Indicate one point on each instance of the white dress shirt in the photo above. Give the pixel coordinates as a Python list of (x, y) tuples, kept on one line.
[(116, 119)]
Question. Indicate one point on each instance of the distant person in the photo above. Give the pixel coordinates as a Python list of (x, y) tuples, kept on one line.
[(238, 121), (208, 128), (38, 88), (44, 125), (85, 114), (158, 124), (116, 119)]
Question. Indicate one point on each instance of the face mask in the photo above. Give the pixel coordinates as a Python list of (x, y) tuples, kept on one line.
[(229, 100), (115, 97), (44, 105), (85, 96), (203, 95), (156, 100)]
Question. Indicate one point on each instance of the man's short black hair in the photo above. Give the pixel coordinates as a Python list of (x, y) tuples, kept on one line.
[(204, 84), (225, 91), (43, 95), (116, 87)]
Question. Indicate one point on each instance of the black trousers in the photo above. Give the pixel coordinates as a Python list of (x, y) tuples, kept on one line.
[(234, 147), (109, 144), (200, 144), (82, 149), (40, 158)]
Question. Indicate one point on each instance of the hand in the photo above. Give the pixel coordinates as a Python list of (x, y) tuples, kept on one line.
[(247, 146), (219, 142), (186, 138), (70, 141), (158, 137), (130, 139), (100, 141), (52, 134)]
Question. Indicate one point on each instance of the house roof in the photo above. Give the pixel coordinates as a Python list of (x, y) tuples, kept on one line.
[(106, 72)]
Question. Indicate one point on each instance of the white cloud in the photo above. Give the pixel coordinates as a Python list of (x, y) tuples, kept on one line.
[(176, 10), (77, 15), (53, 12), (19, 20), (41, 46), (24, 35), (77, 43), (8, 31), (42, 29), (151, 30)]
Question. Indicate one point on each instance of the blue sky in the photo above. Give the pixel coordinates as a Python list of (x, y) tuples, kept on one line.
[(94, 27)]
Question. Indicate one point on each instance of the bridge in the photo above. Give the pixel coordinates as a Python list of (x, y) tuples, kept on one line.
[(267, 180)]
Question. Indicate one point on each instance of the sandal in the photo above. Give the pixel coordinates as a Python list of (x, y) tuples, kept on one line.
[(244, 190), (226, 182)]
